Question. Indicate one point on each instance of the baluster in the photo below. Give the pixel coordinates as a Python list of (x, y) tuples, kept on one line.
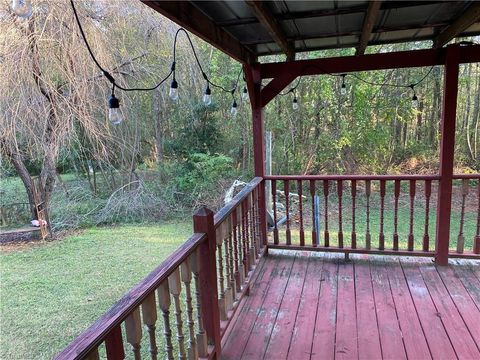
[(287, 206), (251, 226), (461, 238), (476, 241), (256, 222), (325, 194), (340, 225), (300, 210), (395, 214), (241, 247), (368, 237), (246, 239), (412, 208), (428, 193), (229, 265), (251, 252), (149, 312), (175, 287), (114, 344), (235, 252), (133, 331), (202, 344), (164, 305), (354, 199), (381, 238), (186, 274), (220, 235), (274, 200), (231, 261), (93, 355), (314, 219)]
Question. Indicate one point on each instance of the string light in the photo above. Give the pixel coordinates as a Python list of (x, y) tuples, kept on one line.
[(343, 89), (245, 94), (22, 8), (207, 97), (234, 108), (414, 97), (114, 113), (295, 102)]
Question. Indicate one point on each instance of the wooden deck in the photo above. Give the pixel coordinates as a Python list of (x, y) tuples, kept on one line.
[(319, 306)]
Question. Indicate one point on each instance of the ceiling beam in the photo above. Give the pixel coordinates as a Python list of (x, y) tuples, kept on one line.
[(185, 14), (470, 16), (370, 20), (269, 22), (383, 61)]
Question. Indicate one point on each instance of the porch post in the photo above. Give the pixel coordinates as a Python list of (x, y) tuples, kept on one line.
[(447, 148), (253, 78)]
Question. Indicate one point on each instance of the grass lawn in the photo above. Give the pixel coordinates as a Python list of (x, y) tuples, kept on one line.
[(51, 293)]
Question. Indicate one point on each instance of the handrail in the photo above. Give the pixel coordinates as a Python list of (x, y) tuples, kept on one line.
[(96, 333), (352, 177), (466, 176), (222, 214)]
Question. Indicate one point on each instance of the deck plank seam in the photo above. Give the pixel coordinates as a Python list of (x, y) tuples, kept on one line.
[(436, 309), (375, 306), (477, 344), (298, 307), (281, 302), (460, 273), (415, 307)]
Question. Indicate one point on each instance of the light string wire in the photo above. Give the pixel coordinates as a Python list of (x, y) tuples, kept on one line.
[(411, 86), (172, 69)]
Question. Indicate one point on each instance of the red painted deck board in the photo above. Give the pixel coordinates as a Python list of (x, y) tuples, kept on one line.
[(388, 326), (287, 313), (346, 327), (324, 332), (259, 337), (437, 338), (302, 336), (416, 346), (368, 336), (319, 306)]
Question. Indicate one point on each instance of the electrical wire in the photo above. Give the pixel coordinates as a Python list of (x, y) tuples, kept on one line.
[(112, 79)]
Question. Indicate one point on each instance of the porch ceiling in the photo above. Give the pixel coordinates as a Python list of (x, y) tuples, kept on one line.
[(246, 30)]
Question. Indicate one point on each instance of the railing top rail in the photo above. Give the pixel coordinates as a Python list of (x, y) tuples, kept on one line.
[(222, 214), (352, 177), (466, 176), (96, 333)]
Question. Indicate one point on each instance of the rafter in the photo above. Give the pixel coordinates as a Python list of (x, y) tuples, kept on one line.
[(469, 17), (269, 22), (370, 19), (185, 14)]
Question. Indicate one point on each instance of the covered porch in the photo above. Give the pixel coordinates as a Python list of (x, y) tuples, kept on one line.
[(361, 266)]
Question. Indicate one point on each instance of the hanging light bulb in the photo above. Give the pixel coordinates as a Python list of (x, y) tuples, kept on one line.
[(414, 101), (22, 8), (343, 89), (245, 94), (207, 97), (295, 103), (173, 93), (414, 97), (234, 110), (114, 114)]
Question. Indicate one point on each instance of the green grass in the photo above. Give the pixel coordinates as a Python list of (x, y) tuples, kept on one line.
[(51, 293)]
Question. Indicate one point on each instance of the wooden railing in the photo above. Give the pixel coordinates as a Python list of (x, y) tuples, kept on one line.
[(467, 240), (362, 214), (202, 282)]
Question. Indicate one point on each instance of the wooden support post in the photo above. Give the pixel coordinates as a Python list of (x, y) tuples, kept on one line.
[(254, 82), (203, 223), (447, 147)]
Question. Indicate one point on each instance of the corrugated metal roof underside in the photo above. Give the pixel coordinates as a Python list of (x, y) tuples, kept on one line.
[(316, 25)]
